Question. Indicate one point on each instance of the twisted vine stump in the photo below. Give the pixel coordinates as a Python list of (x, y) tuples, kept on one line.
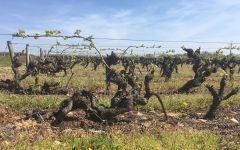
[(168, 65), (149, 93), (218, 97), (110, 60), (123, 101), (200, 68)]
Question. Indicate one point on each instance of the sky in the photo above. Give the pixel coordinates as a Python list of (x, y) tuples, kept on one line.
[(174, 20)]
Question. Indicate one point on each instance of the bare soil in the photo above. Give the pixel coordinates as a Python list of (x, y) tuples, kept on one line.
[(13, 128)]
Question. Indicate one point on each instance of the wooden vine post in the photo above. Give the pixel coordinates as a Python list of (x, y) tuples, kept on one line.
[(27, 54), (231, 47), (11, 52), (41, 54)]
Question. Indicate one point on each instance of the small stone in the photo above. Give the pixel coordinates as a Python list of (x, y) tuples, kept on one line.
[(96, 131), (202, 120), (234, 120), (152, 111), (57, 142), (70, 114), (144, 118), (139, 114), (180, 124), (172, 114)]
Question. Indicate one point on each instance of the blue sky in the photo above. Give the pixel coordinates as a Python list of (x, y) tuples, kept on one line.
[(207, 20)]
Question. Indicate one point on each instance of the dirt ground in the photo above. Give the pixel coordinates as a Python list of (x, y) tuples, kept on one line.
[(13, 128)]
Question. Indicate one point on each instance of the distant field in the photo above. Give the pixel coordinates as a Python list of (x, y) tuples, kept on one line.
[(5, 60)]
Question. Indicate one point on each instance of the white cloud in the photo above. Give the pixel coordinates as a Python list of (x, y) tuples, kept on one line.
[(228, 2), (123, 13)]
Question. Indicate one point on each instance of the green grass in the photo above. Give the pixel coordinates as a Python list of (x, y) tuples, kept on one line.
[(163, 141), (5, 60), (178, 102), (26, 102)]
